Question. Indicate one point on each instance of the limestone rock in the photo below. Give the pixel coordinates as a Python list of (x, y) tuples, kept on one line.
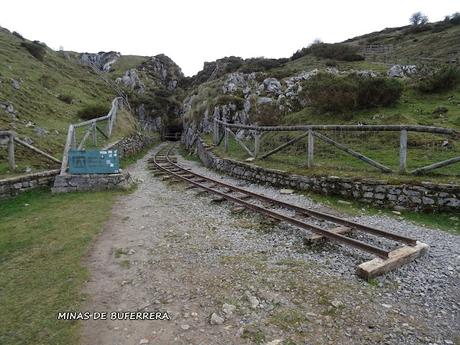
[(102, 61), (216, 319), (400, 71)]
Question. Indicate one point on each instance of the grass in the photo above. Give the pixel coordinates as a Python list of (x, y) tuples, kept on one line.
[(43, 239), (445, 221)]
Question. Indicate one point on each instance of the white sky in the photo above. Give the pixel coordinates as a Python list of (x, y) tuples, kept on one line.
[(194, 31)]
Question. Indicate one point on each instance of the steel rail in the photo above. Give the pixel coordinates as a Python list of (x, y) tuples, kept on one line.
[(276, 215), (312, 213)]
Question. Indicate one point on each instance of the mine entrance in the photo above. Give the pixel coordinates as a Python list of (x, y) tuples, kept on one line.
[(172, 132)]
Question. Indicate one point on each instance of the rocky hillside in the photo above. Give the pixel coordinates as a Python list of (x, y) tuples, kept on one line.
[(42, 91)]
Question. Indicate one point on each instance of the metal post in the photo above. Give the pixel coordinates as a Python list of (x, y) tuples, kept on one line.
[(11, 161), (226, 140), (256, 143), (310, 149), (403, 152)]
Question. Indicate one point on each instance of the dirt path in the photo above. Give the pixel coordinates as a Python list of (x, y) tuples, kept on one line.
[(166, 249)]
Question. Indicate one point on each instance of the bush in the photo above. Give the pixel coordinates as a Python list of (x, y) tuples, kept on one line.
[(66, 98), (91, 111), (18, 35), (35, 48), (328, 92), (336, 51), (438, 80), (375, 92)]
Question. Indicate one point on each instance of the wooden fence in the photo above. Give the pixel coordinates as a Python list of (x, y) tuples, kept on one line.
[(222, 130), (92, 128), (10, 139)]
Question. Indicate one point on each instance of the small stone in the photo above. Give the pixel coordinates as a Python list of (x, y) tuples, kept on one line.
[(131, 252), (344, 202), (336, 303), (274, 342), (228, 309), (253, 301), (216, 319), (286, 191), (15, 84), (185, 327), (250, 159), (144, 341), (387, 306), (449, 342)]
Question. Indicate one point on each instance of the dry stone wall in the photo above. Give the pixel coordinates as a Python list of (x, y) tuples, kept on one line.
[(15, 185), (424, 196)]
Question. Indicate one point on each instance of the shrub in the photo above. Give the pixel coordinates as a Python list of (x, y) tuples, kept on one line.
[(336, 51), (328, 92), (91, 111), (35, 48), (375, 92), (438, 80), (455, 18), (65, 98), (18, 35)]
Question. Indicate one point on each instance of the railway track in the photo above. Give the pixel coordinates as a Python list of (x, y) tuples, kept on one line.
[(336, 230)]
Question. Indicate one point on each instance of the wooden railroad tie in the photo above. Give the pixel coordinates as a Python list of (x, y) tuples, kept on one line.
[(315, 238), (397, 258)]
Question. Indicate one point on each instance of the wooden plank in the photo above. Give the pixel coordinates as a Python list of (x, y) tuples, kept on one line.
[(279, 148), (256, 144), (310, 148), (353, 153), (240, 142), (33, 148), (403, 152), (397, 258), (313, 238), (435, 166), (87, 134), (68, 143), (102, 132)]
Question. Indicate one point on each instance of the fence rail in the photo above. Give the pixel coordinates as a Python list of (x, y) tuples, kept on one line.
[(91, 129), (313, 131), (10, 138)]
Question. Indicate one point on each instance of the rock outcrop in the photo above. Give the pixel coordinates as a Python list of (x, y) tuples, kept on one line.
[(101, 61)]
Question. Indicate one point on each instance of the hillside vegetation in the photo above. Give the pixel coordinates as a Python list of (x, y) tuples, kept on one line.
[(41, 95)]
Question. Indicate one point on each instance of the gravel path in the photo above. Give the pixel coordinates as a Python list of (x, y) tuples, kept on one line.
[(227, 277)]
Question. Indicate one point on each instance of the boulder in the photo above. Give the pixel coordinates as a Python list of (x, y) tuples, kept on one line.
[(400, 71)]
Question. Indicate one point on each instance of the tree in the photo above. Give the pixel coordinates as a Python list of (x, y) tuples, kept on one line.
[(418, 19)]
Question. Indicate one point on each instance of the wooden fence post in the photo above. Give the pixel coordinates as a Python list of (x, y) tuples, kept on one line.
[(310, 149), (215, 131), (74, 139), (94, 134), (403, 151), (225, 140), (11, 161), (256, 143)]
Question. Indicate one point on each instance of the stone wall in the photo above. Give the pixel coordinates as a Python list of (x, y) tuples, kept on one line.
[(93, 182), (13, 186), (126, 147), (424, 196), (129, 146)]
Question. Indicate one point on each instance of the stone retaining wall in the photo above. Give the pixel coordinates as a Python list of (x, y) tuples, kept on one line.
[(13, 186), (93, 182), (424, 196), (126, 147), (129, 146)]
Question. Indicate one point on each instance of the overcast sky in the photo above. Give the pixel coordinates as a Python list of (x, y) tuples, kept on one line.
[(194, 31)]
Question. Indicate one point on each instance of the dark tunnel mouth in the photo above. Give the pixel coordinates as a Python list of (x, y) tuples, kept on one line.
[(172, 132)]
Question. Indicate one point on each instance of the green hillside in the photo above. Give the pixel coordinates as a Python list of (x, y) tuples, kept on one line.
[(50, 92)]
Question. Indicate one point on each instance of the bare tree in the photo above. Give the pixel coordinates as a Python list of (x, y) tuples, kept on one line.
[(418, 18)]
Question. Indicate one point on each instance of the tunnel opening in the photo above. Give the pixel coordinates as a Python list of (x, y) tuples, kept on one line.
[(172, 132)]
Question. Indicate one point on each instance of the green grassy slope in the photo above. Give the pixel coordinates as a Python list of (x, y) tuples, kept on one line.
[(37, 101)]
